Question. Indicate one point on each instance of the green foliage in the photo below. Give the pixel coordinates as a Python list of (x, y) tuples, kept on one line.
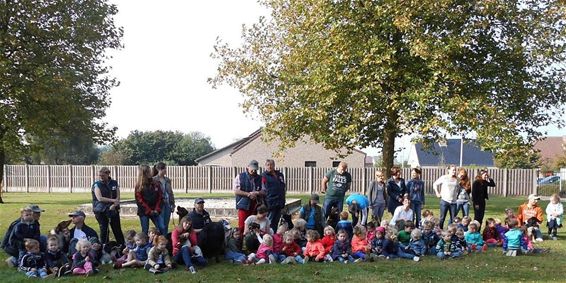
[(360, 73), (174, 148), (524, 157), (55, 83)]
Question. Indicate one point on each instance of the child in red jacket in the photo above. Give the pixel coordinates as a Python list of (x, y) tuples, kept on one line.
[(314, 249), (360, 245), (291, 251), (328, 242)]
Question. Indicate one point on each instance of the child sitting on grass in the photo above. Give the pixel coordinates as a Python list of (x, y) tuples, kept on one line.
[(290, 252), (430, 238), (514, 239), (83, 258), (33, 262), (474, 239), (328, 241), (390, 244), (342, 249), (264, 252), (377, 243), (360, 245), (138, 256), (490, 234), (446, 248), (158, 259), (404, 235), (55, 257), (416, 247), (314, 250), (233, 251)]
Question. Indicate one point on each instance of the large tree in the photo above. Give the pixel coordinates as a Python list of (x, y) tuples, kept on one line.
[(360, 73), (54, 80), (174, 148)]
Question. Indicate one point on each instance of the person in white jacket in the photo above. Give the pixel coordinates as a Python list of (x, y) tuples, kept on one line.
[(554, 212), (446, 189)]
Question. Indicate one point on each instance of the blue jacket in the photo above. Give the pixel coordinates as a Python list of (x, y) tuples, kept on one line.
[(416, 191), (109, 190), (341, 247), (395, 192), (247, 184), (274, 186), (418, 247)]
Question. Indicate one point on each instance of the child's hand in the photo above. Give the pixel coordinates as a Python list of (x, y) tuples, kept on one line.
[(156, 266)]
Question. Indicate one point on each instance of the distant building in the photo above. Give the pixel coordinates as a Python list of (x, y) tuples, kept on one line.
[(449, 153), (550, 148), (305, 154)]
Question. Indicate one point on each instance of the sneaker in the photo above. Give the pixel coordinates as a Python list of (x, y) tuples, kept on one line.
[(192, 270), (10, 261), (554, 238), (155, 271), (286, 260), (261, 261), (357, 260), (416, 258), (62, 270), (305, 260), (539, 239), (272, 259)]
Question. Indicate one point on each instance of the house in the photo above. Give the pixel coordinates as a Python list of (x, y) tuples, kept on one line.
[(306, 153), (442, 154), (550, 148)]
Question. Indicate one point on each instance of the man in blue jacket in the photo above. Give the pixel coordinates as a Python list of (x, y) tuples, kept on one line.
[(273, 183)]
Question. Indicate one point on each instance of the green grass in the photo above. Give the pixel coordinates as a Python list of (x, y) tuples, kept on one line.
[(489, 266)]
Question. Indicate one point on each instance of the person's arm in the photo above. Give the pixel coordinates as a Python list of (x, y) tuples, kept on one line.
[(324, 185), (540, 216), (168, 186), (237, 188), (159, 197), (151, 257), (99, 196), (436, 186), (364, 216)]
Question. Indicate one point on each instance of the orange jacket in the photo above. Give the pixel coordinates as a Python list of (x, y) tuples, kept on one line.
[(359, 245), (315, 249), (525, 213)]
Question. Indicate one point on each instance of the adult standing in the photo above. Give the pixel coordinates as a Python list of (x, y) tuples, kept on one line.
[(396, 190), (168, 203), (377, 196), (148, 195), (199, 216), (464, 190), (312, 214), (415, 186), (479, 194), (447, 194), (248, 192), (273, 183), (335, 185), (106, 206)]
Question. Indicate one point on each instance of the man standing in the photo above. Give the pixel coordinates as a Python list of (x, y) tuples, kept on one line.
[(335, 185), (248, 191), (106, 206), (273, 183), (199, 216)]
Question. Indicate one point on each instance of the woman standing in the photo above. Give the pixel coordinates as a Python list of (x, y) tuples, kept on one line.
[(377, 196), (168, 203), (447, 194), (479, 193), (396, 190), (148, 198), (106, 206), (464, 190)]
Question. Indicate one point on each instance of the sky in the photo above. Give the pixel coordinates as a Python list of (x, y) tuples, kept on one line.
[(165, 63)]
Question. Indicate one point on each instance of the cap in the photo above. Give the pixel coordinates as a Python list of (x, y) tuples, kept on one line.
[(533, 197), (254, 165), (199, 200), (380, 229), (35, 208), (315, 197), (77, 213)]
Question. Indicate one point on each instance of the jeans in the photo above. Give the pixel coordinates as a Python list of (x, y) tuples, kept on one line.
[(114, 220), (361, 255), (416, 207), (274, 217), (40, 272), (166, 215), (329, 203), (441, 255), (446, 207), (377, 211), (344, 259), (157, 221), (464, 207), (402, 254), (184, 257), (235, 256)]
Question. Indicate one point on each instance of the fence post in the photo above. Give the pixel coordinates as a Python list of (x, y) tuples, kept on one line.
[(49, 178), (70, 178), (4, 185), (535, 185), (209, 179), (26, 176), (505, 182), (364, 180), (185, 179), (311, 181), (92, 174)]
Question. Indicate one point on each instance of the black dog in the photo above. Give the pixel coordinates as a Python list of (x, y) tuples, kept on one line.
[(182, 212), (334, 217), (211, 240)]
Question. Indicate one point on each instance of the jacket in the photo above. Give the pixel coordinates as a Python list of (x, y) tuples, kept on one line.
[(154, 256), (167, 190), (524, 213), (359, 244), (247, 183), (318, 221), (416, 192), (107, 190), (291, 249), (149, 198), (274, 186), (328, 243), (479, 190), (315, 249), (340, 248)]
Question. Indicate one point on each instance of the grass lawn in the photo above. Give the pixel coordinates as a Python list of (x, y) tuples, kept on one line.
[(489, 266)]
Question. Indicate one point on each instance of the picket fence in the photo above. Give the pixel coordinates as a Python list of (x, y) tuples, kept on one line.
[(304, 180)]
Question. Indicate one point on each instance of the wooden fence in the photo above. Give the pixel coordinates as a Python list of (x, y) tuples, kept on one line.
[(303, 180)]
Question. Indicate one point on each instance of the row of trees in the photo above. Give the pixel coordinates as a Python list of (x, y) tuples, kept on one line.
[(173, 148)]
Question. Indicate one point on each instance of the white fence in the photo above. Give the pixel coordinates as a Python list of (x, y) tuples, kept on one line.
[(79, 178)]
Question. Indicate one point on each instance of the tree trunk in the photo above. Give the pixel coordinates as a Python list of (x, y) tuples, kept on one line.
[(388, 152)]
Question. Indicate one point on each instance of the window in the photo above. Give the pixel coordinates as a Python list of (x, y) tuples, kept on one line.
[(310, 163), (335, 163)]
